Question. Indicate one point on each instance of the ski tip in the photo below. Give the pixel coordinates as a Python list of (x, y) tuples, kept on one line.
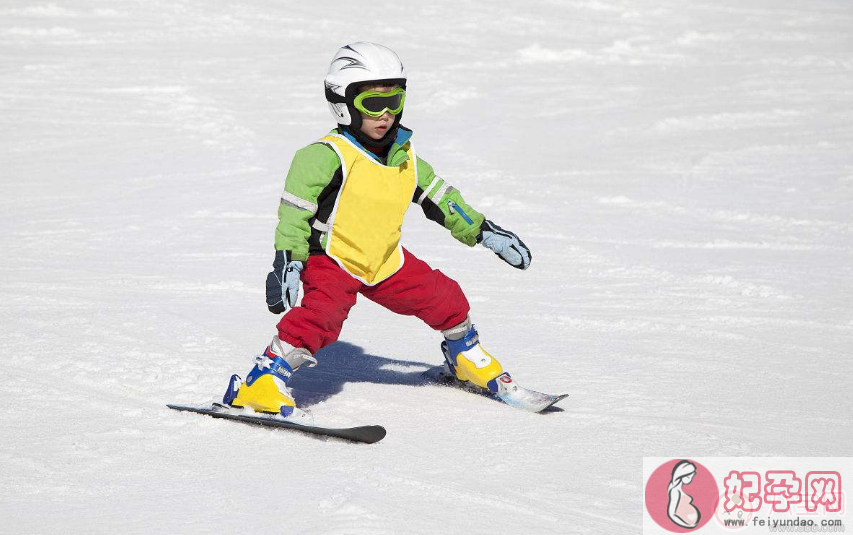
[(550, 407), (191, 408), (370, 434)]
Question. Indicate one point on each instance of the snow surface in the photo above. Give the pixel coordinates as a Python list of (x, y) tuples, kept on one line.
[(682, 171)]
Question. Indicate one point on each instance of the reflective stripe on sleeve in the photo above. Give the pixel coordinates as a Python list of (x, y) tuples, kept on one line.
[(319, 225), (432, 184), (440, 193), (302, 204)]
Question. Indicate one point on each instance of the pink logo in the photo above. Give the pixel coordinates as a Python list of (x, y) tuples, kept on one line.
[(782, 489), (740, 499), (823, 491), (681, 495)]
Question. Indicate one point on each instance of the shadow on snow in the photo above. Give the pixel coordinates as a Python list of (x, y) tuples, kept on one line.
[(342, 363)]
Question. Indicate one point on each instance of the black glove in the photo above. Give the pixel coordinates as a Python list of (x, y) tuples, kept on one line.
[(283, 282)]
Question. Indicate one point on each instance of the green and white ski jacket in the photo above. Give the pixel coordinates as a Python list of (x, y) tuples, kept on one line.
[(314, 181)]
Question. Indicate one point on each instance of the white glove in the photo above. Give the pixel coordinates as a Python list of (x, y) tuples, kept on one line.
[(506, 245)]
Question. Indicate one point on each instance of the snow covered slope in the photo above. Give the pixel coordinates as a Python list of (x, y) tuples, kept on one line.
[(682, 171)]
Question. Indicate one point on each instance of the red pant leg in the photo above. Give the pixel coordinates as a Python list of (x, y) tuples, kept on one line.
[(420, 291), (328, 294)]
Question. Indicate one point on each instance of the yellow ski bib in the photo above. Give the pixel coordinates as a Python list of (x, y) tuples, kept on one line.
[(366, 222)]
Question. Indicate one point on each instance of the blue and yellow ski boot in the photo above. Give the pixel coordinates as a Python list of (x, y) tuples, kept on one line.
[(467, 365), (265, 389), (467, 361)]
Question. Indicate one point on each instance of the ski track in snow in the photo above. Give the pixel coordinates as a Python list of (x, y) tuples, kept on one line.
[(682, 171)]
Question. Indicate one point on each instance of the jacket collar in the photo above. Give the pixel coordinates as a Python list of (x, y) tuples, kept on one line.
[(396, 156)]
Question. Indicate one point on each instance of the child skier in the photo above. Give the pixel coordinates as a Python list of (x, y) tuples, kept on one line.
[(340, 220)]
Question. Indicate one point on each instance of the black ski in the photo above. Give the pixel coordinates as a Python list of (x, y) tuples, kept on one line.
[(364, 433)]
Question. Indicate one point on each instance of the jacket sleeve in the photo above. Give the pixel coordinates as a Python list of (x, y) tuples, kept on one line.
[(444, 204), (311, 171)]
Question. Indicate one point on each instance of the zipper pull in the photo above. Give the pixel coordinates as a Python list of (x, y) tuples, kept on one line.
[(452, 207)]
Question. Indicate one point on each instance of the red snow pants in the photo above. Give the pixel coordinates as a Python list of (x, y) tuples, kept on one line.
[(329, 292)]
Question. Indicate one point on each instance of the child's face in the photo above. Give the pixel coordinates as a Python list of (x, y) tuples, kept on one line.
[(376, 127)]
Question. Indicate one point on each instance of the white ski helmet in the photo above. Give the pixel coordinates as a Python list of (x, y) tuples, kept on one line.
[(354, 65)]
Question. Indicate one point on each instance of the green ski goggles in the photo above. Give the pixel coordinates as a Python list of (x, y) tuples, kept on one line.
[(376, 103)]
